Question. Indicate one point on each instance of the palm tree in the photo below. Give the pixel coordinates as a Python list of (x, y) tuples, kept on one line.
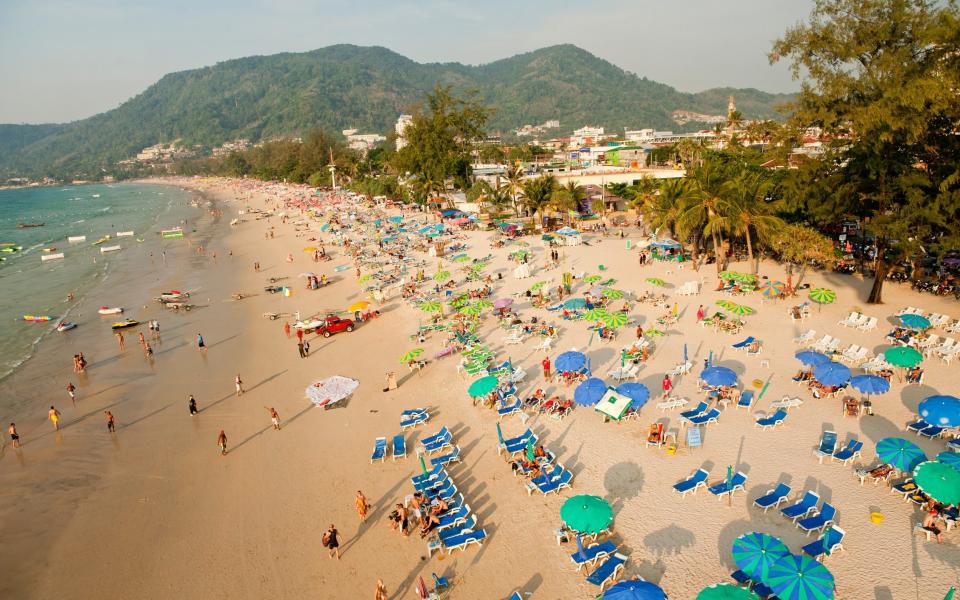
[(568, 198), (747, 213), (664, 209), (538, 193), (514, 183), (499, 199), (702, 207), (641, 193)]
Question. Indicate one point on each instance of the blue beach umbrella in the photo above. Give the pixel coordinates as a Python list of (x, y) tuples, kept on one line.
[(950, 458), (636, 589), (800, 577), (396, 219), (811, 358), (718, 376), (832, 374), (900, 453), (637, 392), (755, 552), (590, 391), (915, 321), (570, 361), (870, 384), (942, 411), (575, 303)]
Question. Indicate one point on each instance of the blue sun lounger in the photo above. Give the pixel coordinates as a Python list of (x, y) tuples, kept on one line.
[(954, 444), (694, 412), (447, 491), (429, 484), (849, 453), (512, 409), (446, 459), (555, 483), (399, 447), (517, 444), (746, 399), (829, 542), (801, 508), (771, 421), (918, 426), (379, 450), (608, 571), (931, 432), (453, 517), (728, 487), (433, 473), (439, 444), (438, 435), (819, 521), (744, 343), (414, 419), (706, 418), (773, 498), (592, 554), (828, 445), (460, 542), (693, 483)]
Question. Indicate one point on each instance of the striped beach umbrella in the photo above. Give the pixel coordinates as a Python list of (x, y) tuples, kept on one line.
[(411, 355), (615, 320), (459, 301), (656, 281), (950, 458), (900, 454), (823, 295), (471, 309), (726, 591), (612, 293), (772, 289), (430, 306), (939, 481), (740, 310), (483, 303), (755, 552), (594, 314), (537, 286), (364, 278), (915, 321), (592, 278), (441, 275), (725, 303), (799, 577), (654, 333)]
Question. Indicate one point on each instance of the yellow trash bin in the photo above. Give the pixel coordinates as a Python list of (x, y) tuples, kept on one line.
[(876, 518)]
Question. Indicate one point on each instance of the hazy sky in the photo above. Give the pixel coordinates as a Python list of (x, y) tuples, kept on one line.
[(66, 59)]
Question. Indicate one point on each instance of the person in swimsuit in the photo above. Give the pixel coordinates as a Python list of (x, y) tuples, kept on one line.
[(192, 405), (120, 343), (222, 442), (14, 436), (274, 417), (362, 505), (239, 384), (70, 390), (381, 591), (111, 423), (331, 541), (54, 415)]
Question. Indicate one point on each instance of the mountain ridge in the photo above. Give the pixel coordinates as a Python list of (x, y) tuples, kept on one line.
[(366, 87)]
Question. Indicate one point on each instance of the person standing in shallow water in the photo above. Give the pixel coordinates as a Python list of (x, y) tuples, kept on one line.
[(54, 415)]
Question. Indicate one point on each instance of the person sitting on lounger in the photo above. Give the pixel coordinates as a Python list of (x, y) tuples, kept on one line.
[(929, 521), (795, 313), (803, 376), (914, 375), (654, 436), (851, 407), (754, 347), (539, 452)]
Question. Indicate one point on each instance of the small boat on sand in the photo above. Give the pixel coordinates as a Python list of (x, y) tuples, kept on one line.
[(102, 240), (27, 225), (108, 310), (77, 238), (56, 256), (124, 234), (124, 324), (11, 249), (106, 249), (65, 326)]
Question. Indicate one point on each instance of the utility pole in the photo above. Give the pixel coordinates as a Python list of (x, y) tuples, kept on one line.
[(333, 171)]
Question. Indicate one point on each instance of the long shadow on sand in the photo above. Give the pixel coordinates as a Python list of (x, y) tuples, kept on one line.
[(247, 391)]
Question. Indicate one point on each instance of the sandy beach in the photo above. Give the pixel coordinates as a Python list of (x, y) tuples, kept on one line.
[(154, 511)]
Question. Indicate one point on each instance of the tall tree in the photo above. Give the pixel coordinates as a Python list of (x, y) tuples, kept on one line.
[(538, 193), (569, 197), (513, 181), (704, 204), (746, 212), (881, 79)]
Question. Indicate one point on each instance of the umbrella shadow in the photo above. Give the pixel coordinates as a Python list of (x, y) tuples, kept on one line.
[(623, 481), (669, 541), (912, 395), (877, 427)]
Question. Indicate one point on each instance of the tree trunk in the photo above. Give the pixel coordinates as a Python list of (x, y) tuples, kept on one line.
[(716, 252), (880, 275), (753, 266)]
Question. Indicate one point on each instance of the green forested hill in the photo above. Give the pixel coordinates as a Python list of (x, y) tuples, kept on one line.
[(350, 86)]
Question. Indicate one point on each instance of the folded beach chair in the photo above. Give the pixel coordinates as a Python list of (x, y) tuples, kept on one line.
[(460, 542), (728, 487), (706, 418), (414, 419), (379, 450), (693, 483), (743, 344), (435, 437), (512, 409), (608, 571), (802, 507), (399, 447), (772, 421), (695, 412), (828, 445), (849, 453), (446, 459), (773, 498), (593, 553), (746, 399), (818, 521), (829, 543)]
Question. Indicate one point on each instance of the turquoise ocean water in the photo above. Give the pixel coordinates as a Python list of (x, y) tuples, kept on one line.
[(29, 285)]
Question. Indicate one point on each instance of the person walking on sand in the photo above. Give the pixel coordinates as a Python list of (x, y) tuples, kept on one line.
[(331, 542), (201, 345), (274, 417), (639, 332), (667, 385), (111, 422), (143, 341), (300, 348), (14, 436), (71, 390), (286, 329), (54, 415), (222, 443), (362, 506), (192, 406), (546, 367), (239, 384), (381, 591), (119, 335), (700, 313)]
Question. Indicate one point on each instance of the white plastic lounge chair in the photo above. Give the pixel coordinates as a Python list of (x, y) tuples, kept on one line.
[(869, 325), (823, 342), (773, 498), (786, 403), (625, 372), (545, 345), (515, 337), (805, 337), (850, 320), (672, 403), (680, 369)]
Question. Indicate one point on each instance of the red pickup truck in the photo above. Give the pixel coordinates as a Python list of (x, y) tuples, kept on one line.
[(334, 325)]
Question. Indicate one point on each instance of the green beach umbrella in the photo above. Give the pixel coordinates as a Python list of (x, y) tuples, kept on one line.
[(656, 281), (537, 286), (724, 303), (364, 278), (729, 275), (479, 266), (823, 295), (592, 278), (739, 309), (430, 306), (726, 591), (754, 553), (799, 577), (483, 386), (950, 594), (411, 355), (441, 275), (587, 514), (594, 314), (460, 258), (903, 356), (654, 333), (939, 481), (471, 309), (459, 301), (612, 293), (484, 303), (615, 320)]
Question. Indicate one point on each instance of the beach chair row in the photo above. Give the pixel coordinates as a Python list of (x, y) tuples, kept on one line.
[(828, 448), (432, 444), (803, 512), (721, 490), (859, 321), (553, 478), (457, 527)]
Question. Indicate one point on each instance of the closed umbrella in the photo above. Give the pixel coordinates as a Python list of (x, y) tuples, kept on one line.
[(900, 454), (939, 481), (811, 358), (570, 361), (800, 577), (942, 411), (870, 384), (717, 376), (832, 374), (755, 552), (587, 514), (590, 391), (915, 321), (638, 394), (903, 356), (483, 386), (635, 589), (726, 591)]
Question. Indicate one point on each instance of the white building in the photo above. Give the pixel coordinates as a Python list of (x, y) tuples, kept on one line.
[(586, 136), (402, 123), (362, 142)]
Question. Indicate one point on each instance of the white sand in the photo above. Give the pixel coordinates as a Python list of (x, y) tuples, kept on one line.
[(157, 513)]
